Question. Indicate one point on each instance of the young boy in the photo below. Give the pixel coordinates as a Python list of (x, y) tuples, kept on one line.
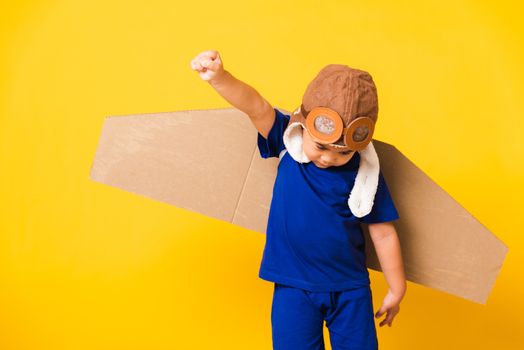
[(314, 250)]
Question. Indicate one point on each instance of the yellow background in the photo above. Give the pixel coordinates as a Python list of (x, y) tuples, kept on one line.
[(84, 265)]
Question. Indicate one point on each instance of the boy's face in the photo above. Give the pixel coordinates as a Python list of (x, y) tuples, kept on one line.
[(324, 156)]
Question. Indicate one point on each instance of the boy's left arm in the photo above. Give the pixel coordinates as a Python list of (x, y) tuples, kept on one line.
[(387, 246)]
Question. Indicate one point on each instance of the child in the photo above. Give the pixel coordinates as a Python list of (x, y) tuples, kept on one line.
[(314, 250)]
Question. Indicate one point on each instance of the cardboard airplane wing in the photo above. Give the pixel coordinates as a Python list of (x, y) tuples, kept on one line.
[(207, 161)]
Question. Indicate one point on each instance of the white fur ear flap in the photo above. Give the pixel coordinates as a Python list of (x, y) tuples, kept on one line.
[(293, 142), (363, 193)]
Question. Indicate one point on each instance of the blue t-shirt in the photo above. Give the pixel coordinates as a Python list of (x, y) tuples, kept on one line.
[(313, 240)]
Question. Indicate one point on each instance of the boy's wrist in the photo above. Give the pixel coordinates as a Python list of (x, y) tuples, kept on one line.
[(399, 291), (219, 78)]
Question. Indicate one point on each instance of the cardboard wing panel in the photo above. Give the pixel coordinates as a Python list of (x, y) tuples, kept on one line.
[(443, 245), (196, 160), (207, 161)]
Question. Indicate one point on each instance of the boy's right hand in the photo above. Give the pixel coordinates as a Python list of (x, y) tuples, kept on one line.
[(208, 64)]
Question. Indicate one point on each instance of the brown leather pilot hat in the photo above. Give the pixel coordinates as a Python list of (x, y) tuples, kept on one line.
[(348, 91)]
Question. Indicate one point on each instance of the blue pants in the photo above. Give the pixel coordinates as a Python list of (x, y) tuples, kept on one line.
[(297, 319)]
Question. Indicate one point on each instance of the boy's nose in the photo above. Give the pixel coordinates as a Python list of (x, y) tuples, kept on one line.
[(328, 159)]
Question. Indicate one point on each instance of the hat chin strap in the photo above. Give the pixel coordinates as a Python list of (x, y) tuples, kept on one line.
[(293, 142), (362, 194)]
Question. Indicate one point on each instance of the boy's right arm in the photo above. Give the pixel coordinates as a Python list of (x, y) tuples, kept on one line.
[(236, 92)]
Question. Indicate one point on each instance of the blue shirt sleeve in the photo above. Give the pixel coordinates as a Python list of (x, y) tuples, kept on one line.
[(274, 144), (383, 207)]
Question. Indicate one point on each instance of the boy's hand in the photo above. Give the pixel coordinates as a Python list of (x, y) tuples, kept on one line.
[(208, 64), (390, 306)]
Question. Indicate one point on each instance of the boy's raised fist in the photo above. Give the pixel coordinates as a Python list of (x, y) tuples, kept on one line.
[(208, 65)]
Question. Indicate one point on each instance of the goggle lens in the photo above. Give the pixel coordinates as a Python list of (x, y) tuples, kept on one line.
[(361, 133), (324, 125)]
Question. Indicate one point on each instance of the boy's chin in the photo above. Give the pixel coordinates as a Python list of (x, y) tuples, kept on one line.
[(320, 165)]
